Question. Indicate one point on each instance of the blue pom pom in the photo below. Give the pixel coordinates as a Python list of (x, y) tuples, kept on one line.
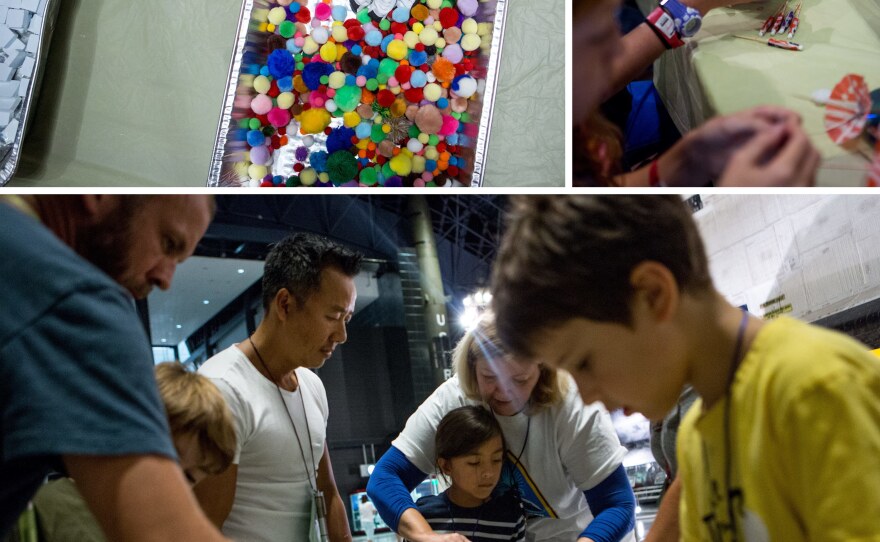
[(285, 84), (369, 71), (442, 103), (293, 7), (281, 63), (452, 139), (339, 13), (293, 47), (318, 160), (339, 139), (312, 73), (373, 37), (240, 134), (418, 79), (385, 41), (350, 80), (417, 58), (430, 165), (255, 138), (264, 71), (356, 50), (400, 14), (277, 180), (363, 130)]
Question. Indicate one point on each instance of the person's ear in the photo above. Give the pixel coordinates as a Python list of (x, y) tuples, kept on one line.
[(655, 288), (282, 303), (443, 465)]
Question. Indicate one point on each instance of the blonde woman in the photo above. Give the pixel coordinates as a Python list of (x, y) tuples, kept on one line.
[(563, 455)]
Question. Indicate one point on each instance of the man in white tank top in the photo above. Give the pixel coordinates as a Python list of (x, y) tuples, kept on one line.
[(279, 405)]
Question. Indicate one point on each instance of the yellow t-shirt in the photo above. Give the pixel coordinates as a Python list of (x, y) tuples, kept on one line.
[(804, 444)]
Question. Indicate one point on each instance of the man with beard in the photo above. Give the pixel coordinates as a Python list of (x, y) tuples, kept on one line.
[(77, 390), (279, 406)]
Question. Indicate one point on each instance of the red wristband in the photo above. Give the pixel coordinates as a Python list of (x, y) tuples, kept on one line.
[(654, 174), (663, 25)]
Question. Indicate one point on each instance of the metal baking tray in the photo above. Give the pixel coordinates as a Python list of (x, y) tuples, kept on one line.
[(10, 154), (251, 48)]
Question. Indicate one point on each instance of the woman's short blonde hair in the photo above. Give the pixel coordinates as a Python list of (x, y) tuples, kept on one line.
[(482, 341), (195, 405)]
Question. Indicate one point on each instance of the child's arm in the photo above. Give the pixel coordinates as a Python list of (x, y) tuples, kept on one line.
[(390, 485)]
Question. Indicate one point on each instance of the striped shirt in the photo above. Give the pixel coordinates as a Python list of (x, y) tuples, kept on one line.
[(500, 518)]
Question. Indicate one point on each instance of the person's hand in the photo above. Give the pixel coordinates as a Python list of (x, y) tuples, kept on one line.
[(779, 156), (703, 154), (454, 537)]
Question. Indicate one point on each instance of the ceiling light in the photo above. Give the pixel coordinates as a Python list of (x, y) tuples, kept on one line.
[(241, 271), (178, 326), (164, 340), (205, 301)]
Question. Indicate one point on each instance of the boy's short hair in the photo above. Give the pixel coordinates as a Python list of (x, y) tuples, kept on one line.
[(296, 263), (193, 404), (565, 257), (481, 342)]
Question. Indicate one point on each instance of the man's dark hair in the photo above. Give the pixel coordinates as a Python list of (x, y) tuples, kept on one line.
[(463, 430), (297, 261), (565, 257)]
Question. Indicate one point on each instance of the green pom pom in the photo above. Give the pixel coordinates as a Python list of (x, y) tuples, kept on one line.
[(268, 131), (293, 181), (431, 184), (342, 167), (387, 171), (384, 24), (363, 16), (376, 133), (387, 66), (414, 131), (433, 140), (287, 29), (372, 85), (347, 98), (254, 124), (465, 117), (369, 176), (382, 78)]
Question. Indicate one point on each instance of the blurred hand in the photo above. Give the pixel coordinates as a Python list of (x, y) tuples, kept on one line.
[(704, 6), (704, 154), (779, 156)]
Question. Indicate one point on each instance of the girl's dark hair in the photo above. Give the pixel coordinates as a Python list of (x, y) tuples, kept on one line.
[(463, 430)]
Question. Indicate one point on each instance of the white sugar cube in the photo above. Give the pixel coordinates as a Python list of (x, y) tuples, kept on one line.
[(6, 72), (33, 45), (14, 47), (11, 3), (23, 86), (11, 131), (9, 104), (36, 25), (31, 5), (9, 89), (6, 36), (3, 11), (27, 67), (16, 59), (18, 19)]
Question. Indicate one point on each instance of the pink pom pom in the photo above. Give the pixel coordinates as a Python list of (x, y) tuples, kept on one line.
[(418, 183), (279, 117), (392, 81), (260, 155), (361, 80), (450, 125), (261, 104), (317, 99), (331, 92), (322, 11)]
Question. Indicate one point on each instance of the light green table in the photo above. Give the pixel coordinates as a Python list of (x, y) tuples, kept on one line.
[(719, 74), (133, 91)]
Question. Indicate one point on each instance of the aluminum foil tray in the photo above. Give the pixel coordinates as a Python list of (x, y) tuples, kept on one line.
[(10, 153), (231, 165)]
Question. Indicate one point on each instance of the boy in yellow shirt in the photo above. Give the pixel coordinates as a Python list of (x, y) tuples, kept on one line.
[(784, 444)]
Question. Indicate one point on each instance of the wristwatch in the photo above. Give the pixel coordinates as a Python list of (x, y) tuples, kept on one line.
[(687, 20)]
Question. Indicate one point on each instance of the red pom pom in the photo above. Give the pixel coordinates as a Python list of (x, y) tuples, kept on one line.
[(273, 90), (414, 95), (328, 130), (267, 183), (452, 171), (282, 130), (303, 15), (402, 74), (385, 97), (399, 28), (441, 147), (448, 17), (297, 167), (264, 120), (420, 47)]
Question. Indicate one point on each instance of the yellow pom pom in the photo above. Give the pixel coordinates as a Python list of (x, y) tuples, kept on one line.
[(351, 119), (328, 52)]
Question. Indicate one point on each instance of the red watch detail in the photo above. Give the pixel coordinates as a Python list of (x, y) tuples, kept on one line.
[(664, 26)]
